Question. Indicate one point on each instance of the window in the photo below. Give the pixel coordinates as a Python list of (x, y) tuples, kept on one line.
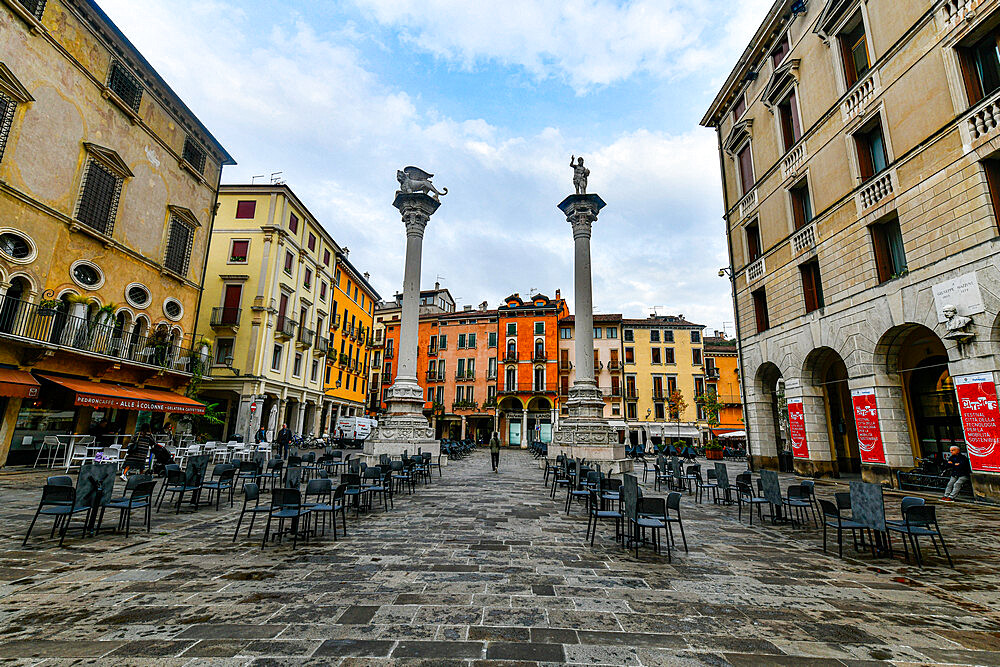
[(854, 50), (173, 309), (246, 210), (99, 196), (654, 336), (744, 160), (752, 232), (491, 368), (238, 251), (472, 340), (16, 247), (612, 332), (443, 342), (491, 339), (565, 333), (788, 119), (887, 241), (629, 336), (322, 291), (312, 241), (276, 357), (629, 355), (872, 156), (780, 51), (224, 351), (616, 409), (597, 332), (695, 336), (289, 260), (668, 336), (194, 155), (668, 355), (992, 172), (461, 341), (658, 412), (696, 356), (512, 328), (125, 86), (307, 278), (655, 355), (739, 108), (178, 246), (297, 365), (35, 7), (336, 278), (981, 67), (314, 371), (326, 257), (293, 223), (539, 328), (7, 108), (760, 310), (86, 274), (802, 212), (137, 295), (812, 288)]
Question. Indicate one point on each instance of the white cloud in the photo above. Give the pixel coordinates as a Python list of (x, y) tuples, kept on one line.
[(301, 100)]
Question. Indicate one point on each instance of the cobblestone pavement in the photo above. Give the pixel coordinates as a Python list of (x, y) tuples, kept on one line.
[(480, 568)]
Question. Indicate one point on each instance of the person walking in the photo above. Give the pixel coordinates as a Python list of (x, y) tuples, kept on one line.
[(138, 451), (960, 471), (495, 451), (284, 439)]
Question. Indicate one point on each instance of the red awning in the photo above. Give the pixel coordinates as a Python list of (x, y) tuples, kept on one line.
[(19, 384), (720, 431), (100, 395)]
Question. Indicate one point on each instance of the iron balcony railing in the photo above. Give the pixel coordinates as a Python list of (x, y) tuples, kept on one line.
[(389, 353), (286, 326), (464, 405), (335, 322), (616, 391), (614, 365), (96, 335), (432, 376), (322, 345), (510, 356), (306, 336), (343, 360), (226, 317), (539, 355), (565, 365), (465, 375), (712, 372), (631, 393)]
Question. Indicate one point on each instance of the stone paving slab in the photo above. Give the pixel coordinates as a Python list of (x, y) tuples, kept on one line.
[(485, 569)]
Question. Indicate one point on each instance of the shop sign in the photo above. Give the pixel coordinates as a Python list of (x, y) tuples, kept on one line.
[(97, 401), (866, 420), (797, 428), (977, 402)]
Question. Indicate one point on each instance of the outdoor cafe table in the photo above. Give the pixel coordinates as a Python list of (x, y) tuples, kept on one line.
[(66, 441)]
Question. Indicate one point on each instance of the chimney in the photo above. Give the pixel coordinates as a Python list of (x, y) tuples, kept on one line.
[(484, 305), (346, 251), (467, 307), (437, 285), (557, 295)]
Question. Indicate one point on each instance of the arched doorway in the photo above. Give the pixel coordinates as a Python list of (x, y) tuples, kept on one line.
[(539, 420), (512, 418), (825, 369), (11, 311), (766, 407), (917, 356)]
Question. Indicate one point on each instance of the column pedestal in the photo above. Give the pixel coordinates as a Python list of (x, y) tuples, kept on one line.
[(403, 428)]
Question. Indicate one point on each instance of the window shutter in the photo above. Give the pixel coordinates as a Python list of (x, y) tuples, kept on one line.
[(178, 247)]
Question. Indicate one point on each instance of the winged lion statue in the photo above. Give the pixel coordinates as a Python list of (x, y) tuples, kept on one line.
[(415, 179)]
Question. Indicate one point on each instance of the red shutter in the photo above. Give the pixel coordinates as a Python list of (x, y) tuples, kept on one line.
[(246, 209)]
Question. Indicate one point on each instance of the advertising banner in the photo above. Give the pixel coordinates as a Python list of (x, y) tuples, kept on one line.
[(797, 428), (977, 402), (866, 420)]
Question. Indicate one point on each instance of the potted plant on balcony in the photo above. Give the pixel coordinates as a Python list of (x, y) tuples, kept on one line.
[(47, 307)]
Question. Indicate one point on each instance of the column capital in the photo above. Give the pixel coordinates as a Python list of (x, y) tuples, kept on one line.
[(581, 212)]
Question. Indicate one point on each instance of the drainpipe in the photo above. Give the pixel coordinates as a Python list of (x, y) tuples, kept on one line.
[(736, 308)]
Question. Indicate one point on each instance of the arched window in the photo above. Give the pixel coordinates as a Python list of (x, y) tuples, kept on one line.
[(137, 343), (539, 378), (11, 312), (122, 320), (510, 379), (511, 349), (539, 349)]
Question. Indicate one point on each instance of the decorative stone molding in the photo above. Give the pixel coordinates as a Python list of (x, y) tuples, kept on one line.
[(804, 239), (748, 204), (783, 78), (793, 160), (740, 134), (11, 87), (109, 159)]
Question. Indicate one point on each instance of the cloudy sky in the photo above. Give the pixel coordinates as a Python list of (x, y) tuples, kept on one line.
[(492, 98)]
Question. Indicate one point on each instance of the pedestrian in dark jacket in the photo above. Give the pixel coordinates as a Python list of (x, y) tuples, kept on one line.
[(260, 436), (959, 470), (495, 451), (284, 440), (138, 451), (161, 458)]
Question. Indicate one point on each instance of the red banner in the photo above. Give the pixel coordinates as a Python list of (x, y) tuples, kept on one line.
[(977, 401), (866, 420), (797, 428)]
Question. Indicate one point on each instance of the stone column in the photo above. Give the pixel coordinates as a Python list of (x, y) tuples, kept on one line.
[(585, 433), (524, 429), (404, 427)]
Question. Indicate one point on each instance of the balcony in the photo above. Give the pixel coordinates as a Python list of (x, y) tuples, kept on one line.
[(322, 346), (954, 12), (748, 204), (510, 357), (804, 239), (335, 322), (793, 160), (712, 372), (598, 365), (389, 353), (464, 405), (431, 376), (490, 403), (631, 393), (539, 355), (54, 329), (616, 391), (565, 365), (343, 360), (614, 365), (285, 328), (226, 317), (879, 188), (432, 350), (465, 375), (863, 92), (306, 337), (755, 271), (658, 395)]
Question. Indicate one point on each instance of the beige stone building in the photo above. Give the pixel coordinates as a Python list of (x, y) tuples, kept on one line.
[(858, 143), (107, 188)]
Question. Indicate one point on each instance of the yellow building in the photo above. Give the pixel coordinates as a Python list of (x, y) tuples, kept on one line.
[(107, 184), (608, 365), (722, 378), (271, 300), (663, 354), (351, 337)]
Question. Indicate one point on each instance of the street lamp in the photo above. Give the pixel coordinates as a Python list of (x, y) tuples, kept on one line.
[(728, 271)]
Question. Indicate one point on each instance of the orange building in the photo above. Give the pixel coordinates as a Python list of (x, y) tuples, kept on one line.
[(722, 377), (529, 386)]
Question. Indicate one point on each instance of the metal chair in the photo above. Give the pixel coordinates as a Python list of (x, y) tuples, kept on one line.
[(251, 494), (833, 519), (920, 521), (287, 504)]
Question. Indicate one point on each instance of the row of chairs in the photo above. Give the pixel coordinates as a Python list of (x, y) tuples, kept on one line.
[(457, 450)]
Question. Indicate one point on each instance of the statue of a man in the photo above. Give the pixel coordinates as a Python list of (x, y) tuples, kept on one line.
[(580, 174), (957, 325)]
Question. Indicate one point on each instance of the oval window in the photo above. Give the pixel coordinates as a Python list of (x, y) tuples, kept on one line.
[(15, 246), (173, 309), (137, 295), (86, 275)]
